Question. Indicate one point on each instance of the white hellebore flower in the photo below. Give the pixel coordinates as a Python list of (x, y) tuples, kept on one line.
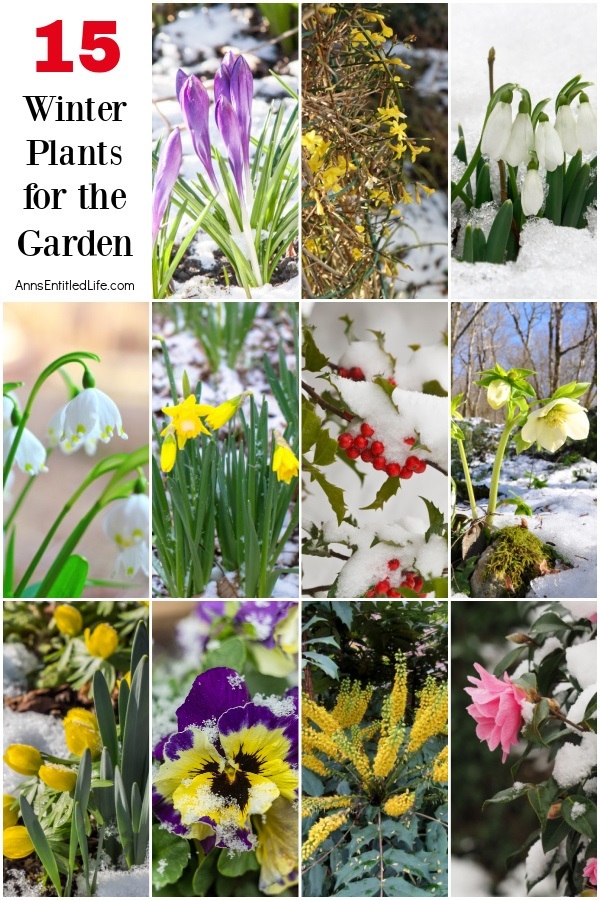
[(532, 193), (520, 143), (31, 453), (586, 126), (127, 524), (567, 129), (54, 432), (498, 393), (551, 425), (496, 133), (548, 145), (91, 414)]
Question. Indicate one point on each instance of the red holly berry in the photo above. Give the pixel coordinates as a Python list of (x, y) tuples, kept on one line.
[(393, 381), (393, 470), (394, 592), (422, 595), (357, 374), (345, 440), (393, 564), (343, 373), (379, 462), (370, 593), (406, 584), (410, 441), (352, 453), (418, 583), (377, 448), (405, 473), (360, 442), (421, 468), (413, 463), (367, 430), (382, 587), (410, 578), (367, 456)]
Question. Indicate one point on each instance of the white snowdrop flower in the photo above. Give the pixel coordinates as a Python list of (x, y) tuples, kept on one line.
[(521, 141), (498, 393), (91, 412), (548, 145), (532, 193), (586, 126), (496, 133), (552, 424), (127, 521), (566, 127), (31, 453)]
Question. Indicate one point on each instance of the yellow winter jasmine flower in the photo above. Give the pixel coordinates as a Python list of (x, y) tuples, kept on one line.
[(285, 462), (380, 196), (552, 424), (399, 129), (102, 641), (23, 758), (405, 197), (58, 777), (17, 843), (10, 815), (317, 147), (415, 150), (357, 253), (68, 619), (390, 112), (185, 419), (327, 10), (221, 414), (82, 732), (168, 450)]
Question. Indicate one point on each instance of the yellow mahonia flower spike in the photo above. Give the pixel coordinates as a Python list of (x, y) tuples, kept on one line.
[(432, 715), (352, 703), (319, 715), (321, 830), (399, 804), (311, 805), (440, 766), (309, 761)]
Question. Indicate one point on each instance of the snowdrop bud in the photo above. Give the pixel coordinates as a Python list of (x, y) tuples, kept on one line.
[(586, 125), (548, 145), (520, 143), (496, 133), (532, 193), (566, 127), (498, 393)]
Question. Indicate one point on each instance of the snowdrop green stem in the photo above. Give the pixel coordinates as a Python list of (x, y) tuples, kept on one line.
[(467, 474), (510, 424)]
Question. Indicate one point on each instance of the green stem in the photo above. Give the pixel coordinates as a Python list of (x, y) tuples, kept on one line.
[(510, 424), (467, 474), (67, 548)]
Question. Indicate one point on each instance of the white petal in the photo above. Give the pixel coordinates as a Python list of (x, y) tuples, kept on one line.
[(532, 193), (567, 129), (577, 425), (548, 146), (497, 131), (587, 128), (109, 417), (521, 140), (31, 453), (550, 437)]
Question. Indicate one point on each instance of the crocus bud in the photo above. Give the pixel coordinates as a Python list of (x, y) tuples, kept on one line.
[(496, 133), (167, 170), (194, 102), (586, 125), (566, 127), (498, 393), (242, 91), (532, 193), (548, 145), (520, 143)]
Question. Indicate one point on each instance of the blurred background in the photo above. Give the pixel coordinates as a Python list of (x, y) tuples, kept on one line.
[(35, 334), (482, 841)]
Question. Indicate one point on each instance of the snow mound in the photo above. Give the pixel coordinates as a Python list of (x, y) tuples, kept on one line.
[(19, 662), (43, 732), (574, 762), (581, 663), (118, 883)]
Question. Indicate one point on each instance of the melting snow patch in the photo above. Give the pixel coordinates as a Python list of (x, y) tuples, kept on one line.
[(43, 732), (574, 762), (581, 662), (19, 662)]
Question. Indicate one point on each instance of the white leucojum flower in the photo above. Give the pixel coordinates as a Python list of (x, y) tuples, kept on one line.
[(552, 424), (496, 133), (54, 432), (548, 145), (566, 127), (498, 393), (88, 414), (587, 128), (31, 453), (532, 193), (127, 524)]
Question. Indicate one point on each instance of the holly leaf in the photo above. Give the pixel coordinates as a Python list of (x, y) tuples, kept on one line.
[(436, 520), (314, 360), (388, 489), (325, 449), (334, 494), (434, 388), (311, 426)]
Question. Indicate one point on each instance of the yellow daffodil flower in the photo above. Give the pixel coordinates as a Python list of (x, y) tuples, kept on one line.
[(285, 463), (68, 619), (185, 419), (219, 415), (17, 843), (23, 758), (102, 641), (58, 777), (82, 732), (9, 816)]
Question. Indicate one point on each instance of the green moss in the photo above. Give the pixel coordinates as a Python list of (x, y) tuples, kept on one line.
[(518, 554)]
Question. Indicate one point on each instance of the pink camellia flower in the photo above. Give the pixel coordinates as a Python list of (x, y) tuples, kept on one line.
[(496, 708), (591, 871)]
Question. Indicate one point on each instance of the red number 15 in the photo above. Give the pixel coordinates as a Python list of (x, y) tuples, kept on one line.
[(94, 37)]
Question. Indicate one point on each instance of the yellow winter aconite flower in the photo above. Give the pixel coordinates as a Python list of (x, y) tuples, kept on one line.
[(17, 843), (399, 803), (221, 414), (82, 732), (58, 777), (9, 816), (285, 462), (68, 619), (440, 766), (321, 830), (23, 758), (432, 715), (102, 641)]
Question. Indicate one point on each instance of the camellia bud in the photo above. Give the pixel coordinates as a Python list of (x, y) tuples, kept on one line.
[(554, 811), (519, 638)]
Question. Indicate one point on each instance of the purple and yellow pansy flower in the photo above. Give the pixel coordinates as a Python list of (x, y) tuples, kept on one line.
[(229, 775)]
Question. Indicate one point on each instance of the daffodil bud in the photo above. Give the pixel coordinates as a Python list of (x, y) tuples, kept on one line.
[(496, 133), (521, 141), (68, 619), (10, 811), (566, 127), (221, 414), (23, 758), (82, 732), (586, 126), (17, 843), (498, 393), (168, 450), (58, 777), (532, 193), (102, 641), (548, 145)]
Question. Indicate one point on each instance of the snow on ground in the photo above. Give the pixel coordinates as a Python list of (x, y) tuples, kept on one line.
[(113, 882), (43, 732), (564, 515), (468, 878), (193, 42), (555, 264), (19, 662)]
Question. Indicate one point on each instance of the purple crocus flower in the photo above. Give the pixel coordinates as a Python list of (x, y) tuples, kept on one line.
[(167, 170), (222, 80), (195, 103), (228, 125), (242, 91)]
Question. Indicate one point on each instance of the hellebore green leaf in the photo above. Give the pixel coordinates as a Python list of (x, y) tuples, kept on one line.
[(41, 844), (170, 855), (498, 236), (583, 821), (520, 444), (314, 360), (106, 717), (573, 390)]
